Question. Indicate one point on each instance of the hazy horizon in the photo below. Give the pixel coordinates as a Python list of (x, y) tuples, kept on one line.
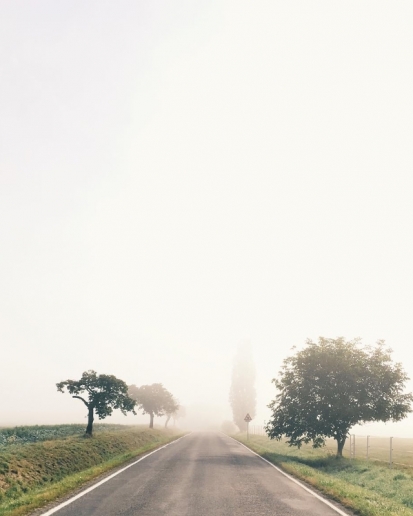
[(176, 177)]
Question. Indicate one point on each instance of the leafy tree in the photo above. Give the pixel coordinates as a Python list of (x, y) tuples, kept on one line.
[(153, 399), (171, 409), (332, 385), (103, 394), (178, 414), (242, 394)]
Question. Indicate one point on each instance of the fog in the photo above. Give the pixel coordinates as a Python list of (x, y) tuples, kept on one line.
[(179, 176)]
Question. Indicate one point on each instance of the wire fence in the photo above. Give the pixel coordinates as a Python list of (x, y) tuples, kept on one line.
[(390, 450), (257, 430), (393, 451)]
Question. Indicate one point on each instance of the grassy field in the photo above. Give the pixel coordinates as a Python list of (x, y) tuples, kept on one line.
[(368, 488), (379, 448), (32, 474)]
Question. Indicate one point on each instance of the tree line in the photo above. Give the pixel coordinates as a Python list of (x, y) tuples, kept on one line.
[(323, 391), (101, 394)]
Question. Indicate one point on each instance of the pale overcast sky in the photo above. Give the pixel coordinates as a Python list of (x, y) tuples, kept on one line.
[(177, 176)]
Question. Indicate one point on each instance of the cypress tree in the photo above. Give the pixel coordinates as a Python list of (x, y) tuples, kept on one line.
[(242, 395)]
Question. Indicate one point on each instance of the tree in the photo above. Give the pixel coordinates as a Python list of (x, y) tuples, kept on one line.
[(180, 413), (171, 409), (153, 399), (242, 394), (332, 385), (104, 393)]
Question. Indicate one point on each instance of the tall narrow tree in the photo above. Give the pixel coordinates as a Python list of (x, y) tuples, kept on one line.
[(242, 394)]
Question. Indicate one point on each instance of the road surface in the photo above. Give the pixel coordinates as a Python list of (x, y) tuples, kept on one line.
[(202, 474)]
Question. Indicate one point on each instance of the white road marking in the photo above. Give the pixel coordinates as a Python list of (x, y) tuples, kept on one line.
[(91, 488), (338, 511)]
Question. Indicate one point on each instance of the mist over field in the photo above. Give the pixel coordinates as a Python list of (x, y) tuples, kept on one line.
[(177, 177)]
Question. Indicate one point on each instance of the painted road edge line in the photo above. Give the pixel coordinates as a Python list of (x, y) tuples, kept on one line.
[(339, 511), (106, 479)]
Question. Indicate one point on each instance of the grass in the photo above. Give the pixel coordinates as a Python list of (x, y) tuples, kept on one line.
[(379, 448), (366, 488), (34, 474)]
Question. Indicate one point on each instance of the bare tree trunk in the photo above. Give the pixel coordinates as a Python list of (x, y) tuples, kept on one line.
[(340, 446), (168, 417), (89, 421), (151, 420)]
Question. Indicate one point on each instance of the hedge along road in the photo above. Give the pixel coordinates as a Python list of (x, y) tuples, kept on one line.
[(201, 474)]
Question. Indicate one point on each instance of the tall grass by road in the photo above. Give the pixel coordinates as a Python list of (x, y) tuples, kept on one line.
[(367, 488), (32, 474)]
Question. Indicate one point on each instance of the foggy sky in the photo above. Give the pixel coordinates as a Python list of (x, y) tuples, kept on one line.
[(178, 176)]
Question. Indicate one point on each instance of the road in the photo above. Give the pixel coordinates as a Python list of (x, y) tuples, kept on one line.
[(202, 474)]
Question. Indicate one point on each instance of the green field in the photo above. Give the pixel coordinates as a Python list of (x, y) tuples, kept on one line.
[(379, 448), (31, 434), (34, 473), (368, 488)]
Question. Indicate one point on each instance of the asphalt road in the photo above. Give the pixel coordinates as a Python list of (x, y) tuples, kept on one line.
[(201, 474)]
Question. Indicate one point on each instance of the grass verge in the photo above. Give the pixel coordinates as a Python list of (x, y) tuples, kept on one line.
[(363, 487), (32, 475)]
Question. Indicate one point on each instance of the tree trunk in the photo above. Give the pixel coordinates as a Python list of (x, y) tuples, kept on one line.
[(151, 420), (340, 446), (89, 422), (167, 420)]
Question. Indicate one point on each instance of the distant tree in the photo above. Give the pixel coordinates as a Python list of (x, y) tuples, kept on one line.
[(180, 413), (242, 394), (103, 394), (171, 409), (332, 385), (153, 399)]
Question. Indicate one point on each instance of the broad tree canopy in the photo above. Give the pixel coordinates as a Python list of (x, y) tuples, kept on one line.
[(101, 395), (153, 399), (332, 385)]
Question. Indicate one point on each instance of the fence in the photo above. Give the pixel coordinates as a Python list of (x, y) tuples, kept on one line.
[(257, 430), (388, 450)]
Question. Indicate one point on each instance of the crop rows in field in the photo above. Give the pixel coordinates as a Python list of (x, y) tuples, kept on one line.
[(32, 434)]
